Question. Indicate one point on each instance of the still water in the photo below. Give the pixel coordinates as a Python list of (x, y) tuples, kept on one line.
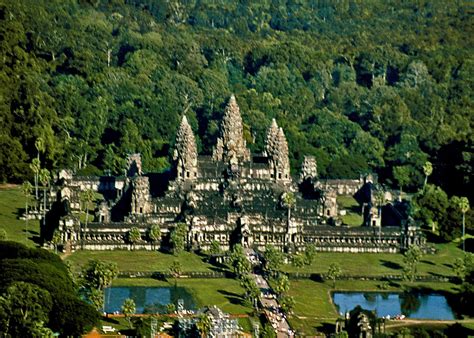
[(147, 299), (412, 305)]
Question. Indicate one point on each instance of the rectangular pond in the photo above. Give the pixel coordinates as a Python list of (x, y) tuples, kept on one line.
[(412, 305), (147, 299)]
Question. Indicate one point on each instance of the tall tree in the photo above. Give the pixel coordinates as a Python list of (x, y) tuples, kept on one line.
[(239, 262), (134, 236), (128, 308), (464, 207), (99, 274), (35, 166), (154, 234), (86, 196), (334, 272), (402, 175), (288, 202), (411, 259), (176, 270), (427, 170), (178, 238), (26, 188), (44, 177)]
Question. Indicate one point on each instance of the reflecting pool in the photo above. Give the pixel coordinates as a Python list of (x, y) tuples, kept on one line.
[(147, 299), (412, 305)]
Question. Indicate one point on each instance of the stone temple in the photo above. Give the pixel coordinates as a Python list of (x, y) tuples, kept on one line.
[(230, 197)]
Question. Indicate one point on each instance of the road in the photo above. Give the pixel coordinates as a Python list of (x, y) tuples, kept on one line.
[(269, 302)]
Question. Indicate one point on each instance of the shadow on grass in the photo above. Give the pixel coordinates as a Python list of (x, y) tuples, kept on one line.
[(232, 297), (449, 265), (326, 328), (427, 262), (391, 265), (110, 320)]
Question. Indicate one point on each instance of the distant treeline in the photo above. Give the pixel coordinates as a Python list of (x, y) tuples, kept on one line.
[(361, 85)]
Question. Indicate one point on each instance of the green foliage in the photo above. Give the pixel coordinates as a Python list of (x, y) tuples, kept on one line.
[(287, 303), (178, 238), (298, 260), (42, 274), (309, 254), (281, 285), (3, 234), (334, 272), (98, 274), (83, 85), (273, 259), (128, 308), (239, 262), (22, 307), (154, 233), (463, 266), (252, 291), (215, 248), (134, 235), (176, 269), (411, 258)]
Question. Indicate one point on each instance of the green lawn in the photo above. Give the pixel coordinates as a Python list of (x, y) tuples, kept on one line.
[(222, 292), (314, 309), (352, 216), (141, 260), (377, 264), (12, 201)]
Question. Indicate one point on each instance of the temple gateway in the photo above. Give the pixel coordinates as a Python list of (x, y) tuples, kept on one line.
[(230, 197)]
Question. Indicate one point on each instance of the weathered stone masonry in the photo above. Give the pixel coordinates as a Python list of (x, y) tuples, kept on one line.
[(230, 197)]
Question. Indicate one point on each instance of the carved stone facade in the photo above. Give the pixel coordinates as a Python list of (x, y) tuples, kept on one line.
[(230, 197), (231, 146), (185, 153)]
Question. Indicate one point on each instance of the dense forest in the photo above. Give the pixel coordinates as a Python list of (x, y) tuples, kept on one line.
[(361, 85)]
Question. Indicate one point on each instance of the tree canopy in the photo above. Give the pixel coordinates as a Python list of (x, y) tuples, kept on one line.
[(361, 86)]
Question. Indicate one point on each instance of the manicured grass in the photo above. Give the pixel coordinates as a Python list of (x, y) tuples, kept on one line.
[(347, 202), (12, 202), (314, 309), (222, 292), (352, 219), (378, 264), (141, 260), (352, 216)]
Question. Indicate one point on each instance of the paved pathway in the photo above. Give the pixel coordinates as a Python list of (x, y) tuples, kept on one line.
[(269, 302)]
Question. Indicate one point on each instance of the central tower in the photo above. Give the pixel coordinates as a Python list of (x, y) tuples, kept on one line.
[(231, 146)]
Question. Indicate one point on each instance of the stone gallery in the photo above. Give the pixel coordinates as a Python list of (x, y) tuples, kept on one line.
[(230, 197)]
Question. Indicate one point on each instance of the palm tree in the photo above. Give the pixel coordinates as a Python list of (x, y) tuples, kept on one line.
[(428, 170), (44, 177), (39, 145), (35, 166), (87, 196), (288, 201), (129, 308), (464, 207), (26, 188)]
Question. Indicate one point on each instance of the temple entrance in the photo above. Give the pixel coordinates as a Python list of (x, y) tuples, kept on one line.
[(245, 241)]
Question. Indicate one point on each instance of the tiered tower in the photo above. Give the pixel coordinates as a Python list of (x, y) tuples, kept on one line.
[(276, 149), (185, 153), (141, 198), (231, 146), (309, 169)]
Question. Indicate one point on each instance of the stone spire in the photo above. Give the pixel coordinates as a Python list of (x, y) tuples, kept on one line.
[(185, 152), (280, 158), (271, 139), (309, 169), (231, 146)]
